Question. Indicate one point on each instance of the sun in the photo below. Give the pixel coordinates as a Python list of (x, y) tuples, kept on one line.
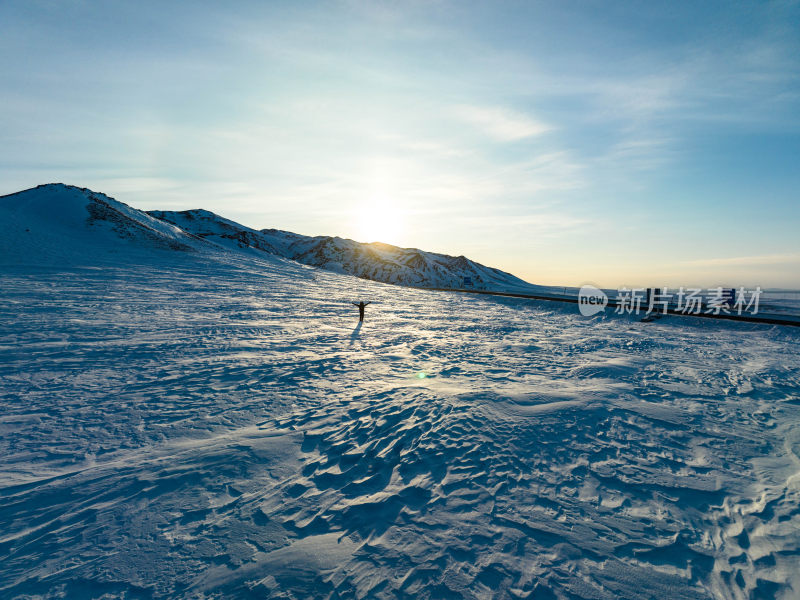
[(380, 220)]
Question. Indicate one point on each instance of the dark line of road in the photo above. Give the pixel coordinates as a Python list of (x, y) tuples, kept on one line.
[(766, 319)]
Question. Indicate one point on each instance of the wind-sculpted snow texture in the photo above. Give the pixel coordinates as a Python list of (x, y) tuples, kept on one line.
[(208, 424), (375, 261), (222, 430)]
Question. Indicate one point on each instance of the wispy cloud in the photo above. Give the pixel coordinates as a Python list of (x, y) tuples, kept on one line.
[(501, 124)]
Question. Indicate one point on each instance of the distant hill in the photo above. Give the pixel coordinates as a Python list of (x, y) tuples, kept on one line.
[(375, 261)]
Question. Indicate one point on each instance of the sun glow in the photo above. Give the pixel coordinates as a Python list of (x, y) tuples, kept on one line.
[(379, 220)]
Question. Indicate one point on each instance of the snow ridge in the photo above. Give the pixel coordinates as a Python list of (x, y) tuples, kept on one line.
[(375, 261)]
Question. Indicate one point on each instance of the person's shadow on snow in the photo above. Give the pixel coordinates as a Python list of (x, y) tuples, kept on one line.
[(356, 333)]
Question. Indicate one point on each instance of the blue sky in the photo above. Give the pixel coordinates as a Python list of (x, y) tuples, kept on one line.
[(567, 142)]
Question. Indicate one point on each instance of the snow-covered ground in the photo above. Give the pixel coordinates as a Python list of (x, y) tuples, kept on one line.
[(206, 424)]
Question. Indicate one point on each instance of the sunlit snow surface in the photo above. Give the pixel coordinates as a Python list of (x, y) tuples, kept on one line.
[(227, 431)]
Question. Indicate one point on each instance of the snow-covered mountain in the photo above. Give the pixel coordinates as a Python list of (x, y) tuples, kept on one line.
[(213, 228), (375, 261), (57, 224), (391, 264)]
